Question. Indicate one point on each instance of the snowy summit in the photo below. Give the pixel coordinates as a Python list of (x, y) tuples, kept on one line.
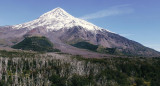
[(57, 19)]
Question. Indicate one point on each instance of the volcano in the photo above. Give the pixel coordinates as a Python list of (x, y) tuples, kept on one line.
[(65, 30)]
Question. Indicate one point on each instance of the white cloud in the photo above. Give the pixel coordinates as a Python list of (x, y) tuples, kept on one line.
[(154, 46), (158, 49), (116, 10)]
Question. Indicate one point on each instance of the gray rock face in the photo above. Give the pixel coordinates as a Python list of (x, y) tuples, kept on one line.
[(10, 36)]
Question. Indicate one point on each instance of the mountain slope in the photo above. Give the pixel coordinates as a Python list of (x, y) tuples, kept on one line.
[(63, 29)]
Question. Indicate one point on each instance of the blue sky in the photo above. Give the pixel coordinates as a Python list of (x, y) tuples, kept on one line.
[(138, 20)]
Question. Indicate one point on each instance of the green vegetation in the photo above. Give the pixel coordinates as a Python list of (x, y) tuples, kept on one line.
[(114, 51), (29, 68), (12, 54), (40, 44), (85, 45), (128, 71), (96, 48)]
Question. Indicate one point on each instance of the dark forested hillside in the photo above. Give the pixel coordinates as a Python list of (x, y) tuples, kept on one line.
[(35, 44), (96, 48), (85, 45)]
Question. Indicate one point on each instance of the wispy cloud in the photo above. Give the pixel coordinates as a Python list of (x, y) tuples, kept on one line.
[(116, 10), (127, 34), (154, 46)]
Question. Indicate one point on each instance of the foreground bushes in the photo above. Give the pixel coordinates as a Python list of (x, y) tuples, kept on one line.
[(26, 68)]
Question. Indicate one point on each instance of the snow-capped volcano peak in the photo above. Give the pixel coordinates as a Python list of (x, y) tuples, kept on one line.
[(57, 12), (57, 19)]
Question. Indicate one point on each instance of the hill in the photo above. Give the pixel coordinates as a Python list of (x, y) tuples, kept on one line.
[(41, 44)]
